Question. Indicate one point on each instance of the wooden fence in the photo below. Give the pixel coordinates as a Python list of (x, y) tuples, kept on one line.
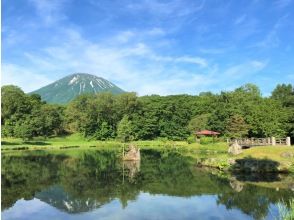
[(253, 142)]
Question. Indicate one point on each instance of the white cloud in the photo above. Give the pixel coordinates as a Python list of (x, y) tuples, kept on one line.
[(245, 69), (282, 3), (156, 32), (240, 19), (177, 8), (27, 79), (177, 84), (272, 39), (125, 36), (49, 10), (134, 67), (182, 59), (258, 65), (135, 35), (213, 50)]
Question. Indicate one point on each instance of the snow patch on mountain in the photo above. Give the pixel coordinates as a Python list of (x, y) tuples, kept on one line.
[(73, 80), (80, 89), (69, 87)]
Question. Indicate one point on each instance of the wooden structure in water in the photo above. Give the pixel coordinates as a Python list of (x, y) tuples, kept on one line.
[(255, 142), (133, 153)]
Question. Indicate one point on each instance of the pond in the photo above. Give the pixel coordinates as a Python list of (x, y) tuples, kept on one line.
[(98, 185)]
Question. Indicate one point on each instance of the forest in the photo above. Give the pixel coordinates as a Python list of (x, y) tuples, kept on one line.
[(243, 112)]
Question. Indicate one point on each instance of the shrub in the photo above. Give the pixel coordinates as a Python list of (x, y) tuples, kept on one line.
[(66, 147), (191, 139), (207, 140)]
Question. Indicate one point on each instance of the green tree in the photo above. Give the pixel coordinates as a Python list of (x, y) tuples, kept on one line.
[(87, 113), (105, 132), (24, 130), (237, 127), (81, 116), (198, 123), (124, 130), (14, 104), (267, 119), (285, 94)]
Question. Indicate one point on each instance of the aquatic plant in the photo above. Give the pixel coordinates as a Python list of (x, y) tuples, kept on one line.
[(286, 212)]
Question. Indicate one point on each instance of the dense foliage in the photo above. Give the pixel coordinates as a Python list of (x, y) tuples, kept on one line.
[(26, 116), (239, 113)]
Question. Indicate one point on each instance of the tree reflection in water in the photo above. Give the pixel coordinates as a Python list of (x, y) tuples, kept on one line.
[(82, 184)]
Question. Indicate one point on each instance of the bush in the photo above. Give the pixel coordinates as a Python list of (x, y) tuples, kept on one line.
[(191, 139), (7, 131), (24, 130), (162, 139), (207, 140), (66, 147), (19, 148)]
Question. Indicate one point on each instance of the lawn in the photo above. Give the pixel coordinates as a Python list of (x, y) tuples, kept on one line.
[(214, 155), (66, 142)]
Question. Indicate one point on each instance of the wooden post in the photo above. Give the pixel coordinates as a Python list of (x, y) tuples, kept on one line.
[(288, 141), (273, 141), (123, 172), (268, 141)]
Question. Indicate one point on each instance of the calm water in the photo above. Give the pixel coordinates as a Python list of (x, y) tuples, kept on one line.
[(99, 186)]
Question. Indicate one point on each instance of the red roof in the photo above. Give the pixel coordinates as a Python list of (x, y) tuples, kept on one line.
[(207, 132)]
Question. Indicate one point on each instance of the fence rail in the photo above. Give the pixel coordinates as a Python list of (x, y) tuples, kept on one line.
[(251, 142)]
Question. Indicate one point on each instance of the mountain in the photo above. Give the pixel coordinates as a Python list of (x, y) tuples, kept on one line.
[(58, 198), (66, 89)]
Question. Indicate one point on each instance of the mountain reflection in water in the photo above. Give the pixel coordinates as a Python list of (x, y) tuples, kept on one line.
[(99, 181)]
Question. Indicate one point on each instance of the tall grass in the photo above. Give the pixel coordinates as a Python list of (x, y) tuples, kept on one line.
[(286, 212)]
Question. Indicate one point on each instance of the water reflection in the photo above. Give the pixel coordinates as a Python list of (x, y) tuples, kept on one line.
[(98, 178)]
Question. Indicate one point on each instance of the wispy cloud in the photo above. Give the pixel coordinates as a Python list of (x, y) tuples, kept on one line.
[(133, 66), (126, 66), (163, 8), (28, 79), (258, 65), (272, 39), (125, 36), (246, 27), (183, 59), (149, 46), (136, 35), (213, 50), (240, 19), (49, 10), (282, 3), (245, 69)]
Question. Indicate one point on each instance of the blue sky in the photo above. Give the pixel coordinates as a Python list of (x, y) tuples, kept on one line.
[(150, 46)]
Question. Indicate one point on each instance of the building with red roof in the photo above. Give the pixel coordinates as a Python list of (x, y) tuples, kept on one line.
[(207, 133)]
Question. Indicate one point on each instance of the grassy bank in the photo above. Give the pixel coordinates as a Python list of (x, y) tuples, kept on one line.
[(211, 155), (74, 144)]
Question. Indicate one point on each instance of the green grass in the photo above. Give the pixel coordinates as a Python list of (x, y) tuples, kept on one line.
[(72, 145), (272, 153), (214, 155), (78, 140)]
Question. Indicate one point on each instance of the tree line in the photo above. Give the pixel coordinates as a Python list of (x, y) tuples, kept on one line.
[(243, 112)]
